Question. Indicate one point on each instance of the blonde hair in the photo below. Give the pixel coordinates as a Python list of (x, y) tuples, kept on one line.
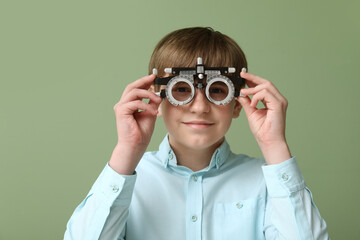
[(181, 48)]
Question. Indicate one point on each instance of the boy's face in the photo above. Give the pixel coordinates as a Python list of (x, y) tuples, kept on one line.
[(199, 124)]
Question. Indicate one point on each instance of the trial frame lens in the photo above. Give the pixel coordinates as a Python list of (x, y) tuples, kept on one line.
[(219, 90), (180, 90)]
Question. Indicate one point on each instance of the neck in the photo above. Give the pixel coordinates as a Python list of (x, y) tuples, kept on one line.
[(194, 159)]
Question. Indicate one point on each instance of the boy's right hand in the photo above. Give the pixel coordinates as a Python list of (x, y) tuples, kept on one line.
[(134, 127)]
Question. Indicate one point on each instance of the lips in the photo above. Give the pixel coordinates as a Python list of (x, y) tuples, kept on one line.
[(198, 124)]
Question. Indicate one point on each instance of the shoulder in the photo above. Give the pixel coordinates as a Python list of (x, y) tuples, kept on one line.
[(152, 162), (150, 157), (244, 167), (245, 161)]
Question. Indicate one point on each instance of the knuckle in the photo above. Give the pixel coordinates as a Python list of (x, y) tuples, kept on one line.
[(116, 107), (266, 91), (267, 83), (127, 88), (286, 102)]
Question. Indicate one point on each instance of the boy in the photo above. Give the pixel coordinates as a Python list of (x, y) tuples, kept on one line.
[(194, 187)]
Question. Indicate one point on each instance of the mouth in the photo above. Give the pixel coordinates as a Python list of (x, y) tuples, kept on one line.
[(199, 124)]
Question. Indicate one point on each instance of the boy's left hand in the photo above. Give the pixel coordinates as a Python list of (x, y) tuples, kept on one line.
[(267, 124)]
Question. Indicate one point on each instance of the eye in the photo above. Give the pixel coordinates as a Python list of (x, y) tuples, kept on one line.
[(216, 90), (182, 89)]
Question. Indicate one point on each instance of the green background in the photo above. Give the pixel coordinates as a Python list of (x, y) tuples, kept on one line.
[(64, 65)]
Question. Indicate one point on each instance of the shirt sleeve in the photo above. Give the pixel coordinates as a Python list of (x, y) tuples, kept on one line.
[(106, 204), (290, 209)]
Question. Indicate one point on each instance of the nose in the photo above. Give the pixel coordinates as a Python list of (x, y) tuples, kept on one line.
[(199, 104)]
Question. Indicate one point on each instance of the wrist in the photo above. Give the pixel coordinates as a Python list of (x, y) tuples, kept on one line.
[(276, 152), (124, 161)]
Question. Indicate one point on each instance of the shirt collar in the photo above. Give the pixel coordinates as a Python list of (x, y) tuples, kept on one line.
[(167, 155)]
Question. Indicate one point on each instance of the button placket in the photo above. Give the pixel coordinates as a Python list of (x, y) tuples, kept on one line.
[(194, 205)]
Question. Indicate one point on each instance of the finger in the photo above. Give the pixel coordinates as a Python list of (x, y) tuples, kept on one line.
[(267, 85), (142, 117), (265, 96), (134, 106), (155, 105), (252, 80), (245, 103), (140, 94), (145, 107), (142, 83)]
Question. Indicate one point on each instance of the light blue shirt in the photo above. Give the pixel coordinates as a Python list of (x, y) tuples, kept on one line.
[(235, 197)]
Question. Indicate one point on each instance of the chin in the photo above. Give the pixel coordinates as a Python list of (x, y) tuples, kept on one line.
[(200, 141)]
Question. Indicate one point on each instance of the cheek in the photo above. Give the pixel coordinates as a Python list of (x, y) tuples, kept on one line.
[(168, 112), (228, 109), (164, 107)]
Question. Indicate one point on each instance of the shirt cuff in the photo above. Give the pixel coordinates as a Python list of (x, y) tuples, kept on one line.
[(114, 188), (284, 178)]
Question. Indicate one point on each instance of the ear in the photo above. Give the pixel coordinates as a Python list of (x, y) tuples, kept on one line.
[(159, 114), (237, 108)]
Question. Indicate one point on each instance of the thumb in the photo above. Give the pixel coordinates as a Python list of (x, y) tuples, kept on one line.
[(245, 103)]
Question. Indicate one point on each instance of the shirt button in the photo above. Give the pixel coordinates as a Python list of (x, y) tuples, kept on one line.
[(239, 205), (171, 156), (218, 161), (194, 218), (284, 177), (195, 178), (115, 188)]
